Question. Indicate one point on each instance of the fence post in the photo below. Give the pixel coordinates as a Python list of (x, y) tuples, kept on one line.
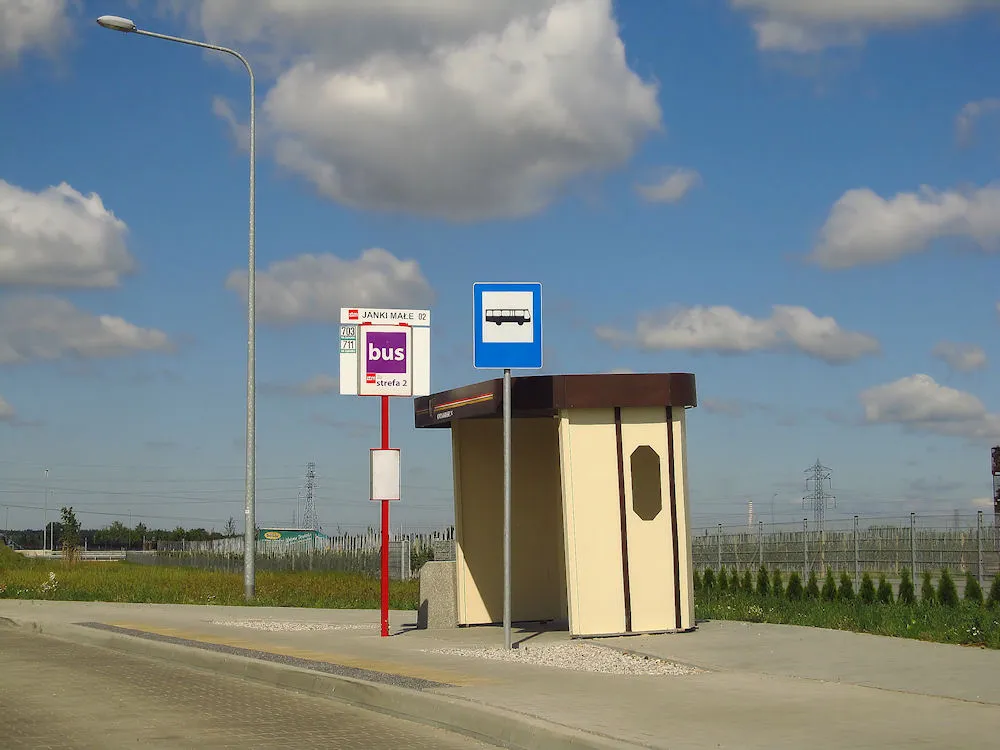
[(805, 549), (979, 547), (760, 542), (719, 538), (913, 545), (857, 556)]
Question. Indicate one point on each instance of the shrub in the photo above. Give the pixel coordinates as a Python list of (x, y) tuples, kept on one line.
[(829, 592), (812, 586), (763, 582), (947, 594), (776, 584), (906, 593), (708, 581), (723, 580), (846, 591), (927, 595), (794, 590), (734, 580), (867, 590), (993, 600), (747, 581), (696, 581), (973, 591), (884, 594)]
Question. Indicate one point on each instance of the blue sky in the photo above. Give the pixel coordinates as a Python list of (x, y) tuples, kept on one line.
[(794, 201)]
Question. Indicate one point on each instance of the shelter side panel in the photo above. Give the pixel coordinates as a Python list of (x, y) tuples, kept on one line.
[(592, 522), (648, 518), (537, 582), (679, 428)]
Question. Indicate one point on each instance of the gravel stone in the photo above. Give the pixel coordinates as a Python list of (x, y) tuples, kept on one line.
[(581, 657), (280, 626)]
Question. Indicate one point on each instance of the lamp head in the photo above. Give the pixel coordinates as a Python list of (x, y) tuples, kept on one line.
[(117, 23)]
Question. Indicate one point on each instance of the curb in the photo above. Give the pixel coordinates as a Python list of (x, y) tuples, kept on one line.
[(493, 726)]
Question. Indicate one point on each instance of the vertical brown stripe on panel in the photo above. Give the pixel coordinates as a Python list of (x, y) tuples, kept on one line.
[(673, 517), (624, 517)]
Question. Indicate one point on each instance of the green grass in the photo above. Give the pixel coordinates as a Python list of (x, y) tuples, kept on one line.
[(964, 623), (21, 578)]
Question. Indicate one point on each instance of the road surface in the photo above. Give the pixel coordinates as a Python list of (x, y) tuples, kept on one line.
[(56, 694)]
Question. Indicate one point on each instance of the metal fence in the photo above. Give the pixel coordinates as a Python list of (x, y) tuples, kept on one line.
[(355, 553), (858, 545)]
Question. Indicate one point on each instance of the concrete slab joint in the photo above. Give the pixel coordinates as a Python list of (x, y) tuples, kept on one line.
[(438, 599)]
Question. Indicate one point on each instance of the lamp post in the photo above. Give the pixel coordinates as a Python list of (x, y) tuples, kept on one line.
[(125, 25)]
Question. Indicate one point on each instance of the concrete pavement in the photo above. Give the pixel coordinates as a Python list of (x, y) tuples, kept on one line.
[(760, 686)]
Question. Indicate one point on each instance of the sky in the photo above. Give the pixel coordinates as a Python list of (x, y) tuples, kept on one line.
[(796, 200)]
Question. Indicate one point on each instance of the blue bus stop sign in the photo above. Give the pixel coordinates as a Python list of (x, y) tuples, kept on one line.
[(507, 325)]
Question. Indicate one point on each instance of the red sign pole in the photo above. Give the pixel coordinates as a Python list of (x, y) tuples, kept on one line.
[(385, 527)]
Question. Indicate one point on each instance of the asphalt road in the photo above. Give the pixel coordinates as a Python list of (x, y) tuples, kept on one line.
[(55, 694)]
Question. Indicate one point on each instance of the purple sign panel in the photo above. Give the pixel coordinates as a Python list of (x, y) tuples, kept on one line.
[(386, 353)]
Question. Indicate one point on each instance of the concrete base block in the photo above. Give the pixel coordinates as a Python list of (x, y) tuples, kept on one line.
[(438, 600)]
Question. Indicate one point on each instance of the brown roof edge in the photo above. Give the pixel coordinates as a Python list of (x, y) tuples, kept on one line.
[(545, 395)]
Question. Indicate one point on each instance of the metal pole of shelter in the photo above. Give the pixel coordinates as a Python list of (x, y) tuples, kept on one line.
[(506, 509)]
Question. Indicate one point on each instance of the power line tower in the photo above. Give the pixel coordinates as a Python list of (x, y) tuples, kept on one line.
[(996, 485), (310, 520), (818, 498)]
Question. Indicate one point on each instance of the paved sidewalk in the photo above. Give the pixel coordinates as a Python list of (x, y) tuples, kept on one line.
[(760, 686)]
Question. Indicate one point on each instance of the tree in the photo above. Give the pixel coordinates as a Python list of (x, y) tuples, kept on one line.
[(906, 593), (829, 592), (747, 581), (230, 527), (846, 591), (776, 584), (993, 600), (723, 580), (867, 590), (763, 582), (794, 590), (927, 595), (884, 594), (812, 586), (70, 534), (708, 581), (947, 594), (973, 591)]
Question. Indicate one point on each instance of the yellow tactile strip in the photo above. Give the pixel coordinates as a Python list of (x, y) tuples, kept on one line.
[(370, 670)]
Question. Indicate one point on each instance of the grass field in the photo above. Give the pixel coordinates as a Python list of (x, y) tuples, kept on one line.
[(21, 578)]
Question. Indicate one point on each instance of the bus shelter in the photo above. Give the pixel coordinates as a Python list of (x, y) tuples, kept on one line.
[(600, 530)]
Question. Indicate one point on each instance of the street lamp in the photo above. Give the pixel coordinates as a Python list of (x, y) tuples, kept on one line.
[(126, 25)]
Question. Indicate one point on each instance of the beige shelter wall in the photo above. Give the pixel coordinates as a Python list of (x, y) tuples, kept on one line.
[(538, 579), (650, 547), (592, 521), (679, 427)]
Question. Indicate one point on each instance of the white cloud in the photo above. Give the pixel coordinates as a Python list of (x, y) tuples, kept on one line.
[(318, 385), (722, 329), (451, 108), (315, 287), (918, 403), (811, 25), (864, 228), (960, 357), (965, 121), (28, 24), (60, 237), (7, 413), (47, 328), (672, 188)]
